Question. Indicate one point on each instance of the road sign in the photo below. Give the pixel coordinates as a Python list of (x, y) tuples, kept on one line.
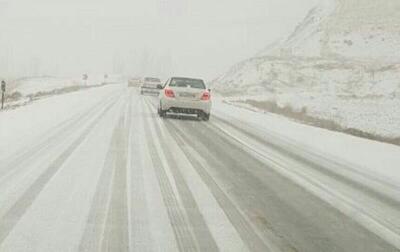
[(3, 91)]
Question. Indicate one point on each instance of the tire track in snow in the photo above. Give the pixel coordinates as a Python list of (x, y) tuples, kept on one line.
[(140, 234), (18, 178), (62, 131), (107, 225), (313, 161), (91, 239), (200, 229), (274, 202), (245, 230), (116, 235), (13, 215), (319, 226), (241, 224), (324, 178), (179, 220)]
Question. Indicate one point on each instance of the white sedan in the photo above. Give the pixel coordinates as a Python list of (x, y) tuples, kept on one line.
[(185, 96)]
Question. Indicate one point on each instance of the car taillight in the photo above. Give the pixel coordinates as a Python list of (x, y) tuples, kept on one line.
[(206, 96), (169, 93)]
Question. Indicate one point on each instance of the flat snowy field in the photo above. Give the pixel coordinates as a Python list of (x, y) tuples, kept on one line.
[(29, 86)]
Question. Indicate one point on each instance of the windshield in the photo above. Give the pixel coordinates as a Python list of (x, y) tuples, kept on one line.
[(187, 83), (152, 80)]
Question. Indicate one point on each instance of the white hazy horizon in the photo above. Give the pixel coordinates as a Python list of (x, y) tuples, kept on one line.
[(143, 37)]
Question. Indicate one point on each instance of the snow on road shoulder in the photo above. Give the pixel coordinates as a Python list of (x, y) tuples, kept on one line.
[(34, 85), (29, 123), (374, 158)]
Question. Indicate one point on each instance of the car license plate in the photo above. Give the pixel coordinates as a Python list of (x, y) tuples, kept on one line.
[(186, 95)]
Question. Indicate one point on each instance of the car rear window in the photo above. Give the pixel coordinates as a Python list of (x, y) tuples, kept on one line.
[(152, 79), (190, 83)]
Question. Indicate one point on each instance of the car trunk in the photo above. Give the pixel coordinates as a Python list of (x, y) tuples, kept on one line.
[(188, 94)]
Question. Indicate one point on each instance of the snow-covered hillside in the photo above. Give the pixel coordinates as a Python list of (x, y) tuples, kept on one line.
[(342, 63), (346, 28)]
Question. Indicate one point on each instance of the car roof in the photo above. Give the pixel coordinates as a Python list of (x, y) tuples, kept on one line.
[(186, 78)]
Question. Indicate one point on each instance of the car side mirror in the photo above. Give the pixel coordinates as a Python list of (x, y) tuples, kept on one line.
[(159, 86)]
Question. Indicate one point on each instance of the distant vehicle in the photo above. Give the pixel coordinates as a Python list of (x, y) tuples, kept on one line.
[(149, 86), (134, 82), (185, 96)]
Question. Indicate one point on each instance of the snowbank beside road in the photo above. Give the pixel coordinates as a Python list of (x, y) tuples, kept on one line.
[(23, 91), (31, 86), (352, 94), (377, 160)]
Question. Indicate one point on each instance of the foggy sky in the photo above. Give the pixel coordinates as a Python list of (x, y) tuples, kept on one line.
[(200, 38)]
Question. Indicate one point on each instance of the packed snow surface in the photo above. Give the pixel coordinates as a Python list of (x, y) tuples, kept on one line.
[(79, 168)]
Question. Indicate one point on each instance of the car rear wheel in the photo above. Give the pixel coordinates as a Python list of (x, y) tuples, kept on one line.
[(204, 116), (161, 113)]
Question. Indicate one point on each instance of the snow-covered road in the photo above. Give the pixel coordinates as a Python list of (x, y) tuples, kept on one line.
[(98, 170)]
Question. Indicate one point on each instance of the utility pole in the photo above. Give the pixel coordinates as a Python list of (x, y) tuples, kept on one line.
[(3, 92), (85, 78), (105, 79)]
